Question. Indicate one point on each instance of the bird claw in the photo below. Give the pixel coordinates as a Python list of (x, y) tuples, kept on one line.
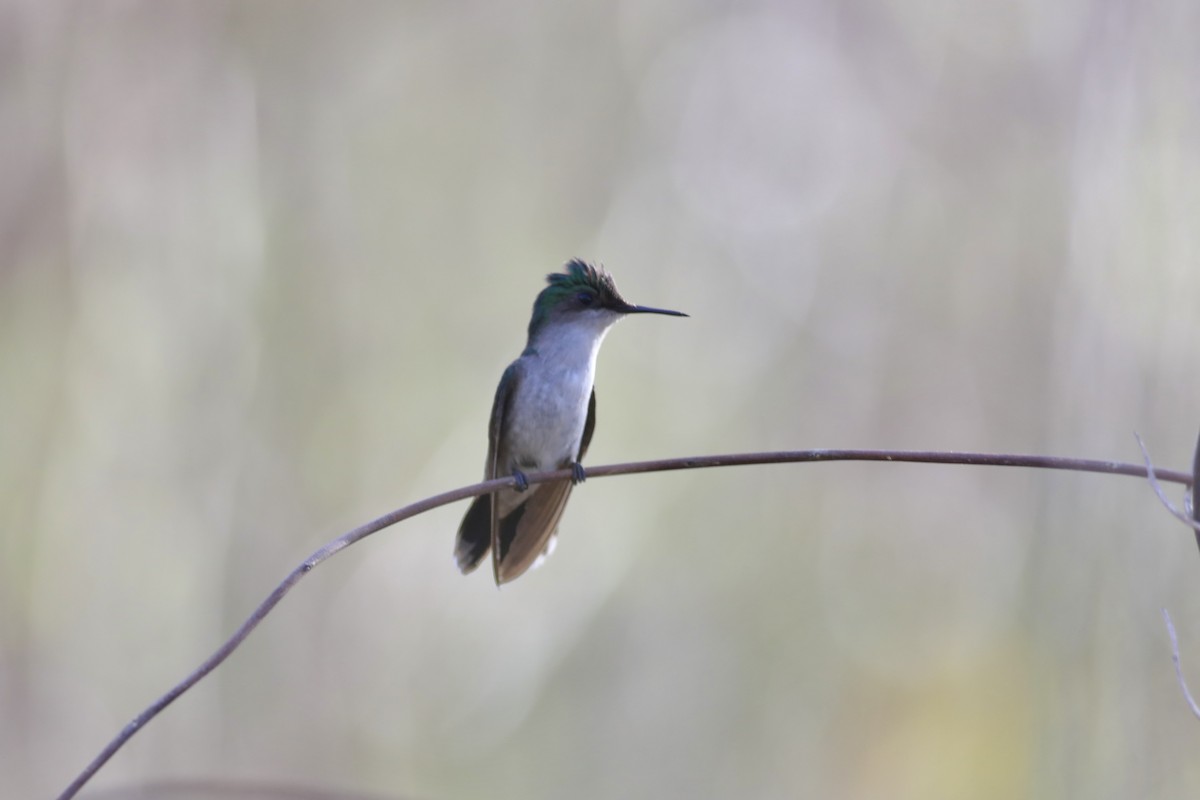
[(578, 473), (522, 481)]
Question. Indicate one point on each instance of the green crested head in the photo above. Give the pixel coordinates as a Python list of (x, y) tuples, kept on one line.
[(584, 290), (579, 286)]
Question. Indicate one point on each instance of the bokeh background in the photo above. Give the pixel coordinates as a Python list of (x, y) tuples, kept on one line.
[(262, 264)]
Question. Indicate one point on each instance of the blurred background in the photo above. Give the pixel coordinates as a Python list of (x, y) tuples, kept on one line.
[(262, 264)]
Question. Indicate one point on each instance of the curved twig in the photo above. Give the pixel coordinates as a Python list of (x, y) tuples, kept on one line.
[(1152, 477), (696, 462), (1187, 695)]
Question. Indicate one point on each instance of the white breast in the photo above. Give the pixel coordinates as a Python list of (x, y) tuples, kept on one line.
[(549, 408)]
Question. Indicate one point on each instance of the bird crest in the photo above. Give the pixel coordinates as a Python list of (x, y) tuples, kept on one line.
[(578, 276)]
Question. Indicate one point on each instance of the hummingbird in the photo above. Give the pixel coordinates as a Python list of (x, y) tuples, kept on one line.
[(542, 419)]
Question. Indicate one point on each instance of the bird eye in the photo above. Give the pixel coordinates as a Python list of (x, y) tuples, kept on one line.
[(585, 298)]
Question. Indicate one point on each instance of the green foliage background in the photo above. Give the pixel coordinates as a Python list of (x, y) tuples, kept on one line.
[(261, 265)]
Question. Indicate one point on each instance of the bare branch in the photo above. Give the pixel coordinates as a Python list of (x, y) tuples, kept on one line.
[(1162, 496), (1178, 668), (696, 462)]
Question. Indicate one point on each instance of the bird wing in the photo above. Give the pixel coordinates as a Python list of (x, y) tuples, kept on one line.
[(500, 407), (478, 529), (588, 427)]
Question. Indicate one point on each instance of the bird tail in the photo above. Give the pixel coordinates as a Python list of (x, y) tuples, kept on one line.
[(474, 534)]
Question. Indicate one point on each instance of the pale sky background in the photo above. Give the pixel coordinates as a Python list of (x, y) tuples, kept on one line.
[(262, 264)]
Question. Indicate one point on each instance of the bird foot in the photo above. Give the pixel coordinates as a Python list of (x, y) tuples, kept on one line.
[(578, 473), (522, 481)]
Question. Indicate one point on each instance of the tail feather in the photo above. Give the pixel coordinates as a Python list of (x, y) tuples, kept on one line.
[(528, 530), (523, 535), (474, 534)]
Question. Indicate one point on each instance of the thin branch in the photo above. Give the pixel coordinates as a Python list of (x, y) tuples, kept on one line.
[(1151, 476), (663, 465), (1187, 695)]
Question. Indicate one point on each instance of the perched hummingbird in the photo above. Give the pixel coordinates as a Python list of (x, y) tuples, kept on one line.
[(542, 419)]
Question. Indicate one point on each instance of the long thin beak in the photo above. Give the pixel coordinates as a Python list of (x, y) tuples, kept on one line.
[(630, 309)]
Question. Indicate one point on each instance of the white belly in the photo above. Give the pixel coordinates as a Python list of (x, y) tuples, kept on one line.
[(548, 409), (547, 416)]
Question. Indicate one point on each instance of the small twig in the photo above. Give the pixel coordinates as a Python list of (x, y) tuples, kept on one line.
[(1162, 496), (741, 459), (1188, 519), (1187, 695)]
